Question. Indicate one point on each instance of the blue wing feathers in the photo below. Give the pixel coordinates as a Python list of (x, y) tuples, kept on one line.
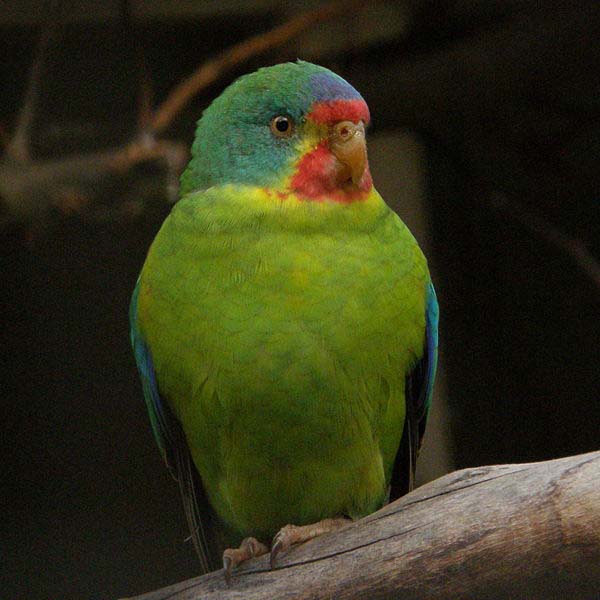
[(172, 445), (418, 395), (159, 418), (432, 316)]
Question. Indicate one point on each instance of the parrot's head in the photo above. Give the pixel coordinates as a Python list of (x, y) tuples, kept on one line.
[(293, 128)]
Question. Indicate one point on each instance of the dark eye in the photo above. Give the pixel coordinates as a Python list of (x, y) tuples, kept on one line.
[(282, 126)]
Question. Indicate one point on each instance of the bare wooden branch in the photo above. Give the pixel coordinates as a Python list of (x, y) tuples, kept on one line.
[(214, 68), (30, 190), (512, 531)]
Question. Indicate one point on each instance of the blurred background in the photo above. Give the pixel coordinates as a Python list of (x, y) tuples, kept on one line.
[(485, 139)]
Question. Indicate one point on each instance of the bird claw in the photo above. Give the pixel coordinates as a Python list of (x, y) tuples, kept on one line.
[(294, 534), (281, 542), (232, 557)]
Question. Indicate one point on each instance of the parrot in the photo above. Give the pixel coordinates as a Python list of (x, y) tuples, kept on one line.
[(284, 323)]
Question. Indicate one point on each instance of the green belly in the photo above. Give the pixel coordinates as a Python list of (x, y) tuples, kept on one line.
[(284, 357)]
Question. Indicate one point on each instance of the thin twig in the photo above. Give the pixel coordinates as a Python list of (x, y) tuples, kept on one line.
[(145, 95), (18, 148), (535, 223), (146, 149), (215, 67)]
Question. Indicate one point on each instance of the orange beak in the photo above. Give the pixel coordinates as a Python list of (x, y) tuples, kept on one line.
[(348, 145)]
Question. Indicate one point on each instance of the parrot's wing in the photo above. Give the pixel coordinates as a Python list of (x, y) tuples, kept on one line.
[(419, 392), (172, 444)]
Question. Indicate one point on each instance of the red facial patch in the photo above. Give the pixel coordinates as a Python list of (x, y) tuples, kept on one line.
[(339, 110), (315, 178)]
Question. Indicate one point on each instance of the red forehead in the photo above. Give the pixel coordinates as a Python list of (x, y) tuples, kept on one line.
[(332, 111)]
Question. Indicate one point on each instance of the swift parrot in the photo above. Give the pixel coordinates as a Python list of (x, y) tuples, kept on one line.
[(284, 323)]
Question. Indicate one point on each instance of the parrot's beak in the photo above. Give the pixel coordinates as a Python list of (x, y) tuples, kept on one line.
[(347, 143)]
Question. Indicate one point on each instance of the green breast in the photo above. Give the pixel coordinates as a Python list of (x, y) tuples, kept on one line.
[(281, 333)]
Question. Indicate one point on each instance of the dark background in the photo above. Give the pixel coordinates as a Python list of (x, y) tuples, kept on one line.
[(504, 99)]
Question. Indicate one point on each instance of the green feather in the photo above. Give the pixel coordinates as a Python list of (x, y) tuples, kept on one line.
[(279, 329)]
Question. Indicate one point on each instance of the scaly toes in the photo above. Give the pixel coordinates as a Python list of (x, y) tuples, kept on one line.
[(284, 538), (294, 534), (232, 557)]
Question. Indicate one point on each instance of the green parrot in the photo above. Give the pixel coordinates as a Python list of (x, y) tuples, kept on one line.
[(284, 323)]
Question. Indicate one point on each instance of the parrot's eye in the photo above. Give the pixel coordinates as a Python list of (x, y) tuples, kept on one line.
[(282, 126)]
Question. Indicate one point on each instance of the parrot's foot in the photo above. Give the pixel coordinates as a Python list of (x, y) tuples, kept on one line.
[(295, 534), (249, 548)]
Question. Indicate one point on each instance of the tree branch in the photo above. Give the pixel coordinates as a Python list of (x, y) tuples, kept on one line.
[(509, 531), (18, 148), (29, 191), (145, 98)]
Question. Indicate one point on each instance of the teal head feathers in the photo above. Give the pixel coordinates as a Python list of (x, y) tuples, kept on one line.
[(292, 128)]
